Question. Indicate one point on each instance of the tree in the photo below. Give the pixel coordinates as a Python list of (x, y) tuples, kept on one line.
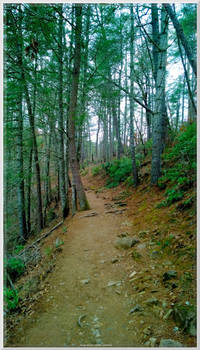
[(72, 111), (132, 146), (159, 117)]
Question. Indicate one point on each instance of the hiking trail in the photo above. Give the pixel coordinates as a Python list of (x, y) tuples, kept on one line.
[(98, 295)]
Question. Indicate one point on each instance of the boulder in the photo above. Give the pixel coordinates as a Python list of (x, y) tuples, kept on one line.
[(126, 242)]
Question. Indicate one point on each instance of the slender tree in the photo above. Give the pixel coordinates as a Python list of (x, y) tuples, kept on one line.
[(72, 111)]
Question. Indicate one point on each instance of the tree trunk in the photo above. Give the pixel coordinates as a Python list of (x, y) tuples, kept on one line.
[(63, 194), (159, 118), (29, 191), (132, 142), (47, 175), (97, 138), (34, 141), (19, 148), (20, 173), (84, 86), (72, 111)]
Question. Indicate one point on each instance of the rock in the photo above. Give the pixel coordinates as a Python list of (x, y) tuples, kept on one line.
[(114, 260), (152, 301), (85, 281), (169, 343), (169, 275), (136, 308), (126, 242)]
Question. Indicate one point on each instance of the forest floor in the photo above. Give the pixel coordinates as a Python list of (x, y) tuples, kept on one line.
[(98, 294)]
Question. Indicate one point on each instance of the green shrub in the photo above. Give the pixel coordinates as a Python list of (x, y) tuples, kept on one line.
[(119, 170), (11, 298), (48, 251), (15, 267), (181, 175), (166, 242), (96, 170), (19, 248), (129, 181), (148, 146)]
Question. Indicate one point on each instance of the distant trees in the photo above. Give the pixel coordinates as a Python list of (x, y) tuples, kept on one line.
[(87, 83)]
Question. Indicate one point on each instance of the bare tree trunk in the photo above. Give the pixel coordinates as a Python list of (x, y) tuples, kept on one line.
[(19, 148), (29, 191), (159, 118), (97, 138), (84, 86), (72, 111), (132, 142), (47, 175), (63, 194), (20, 167)]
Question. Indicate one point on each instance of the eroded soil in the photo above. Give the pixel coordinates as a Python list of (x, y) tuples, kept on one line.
[(87, 298)]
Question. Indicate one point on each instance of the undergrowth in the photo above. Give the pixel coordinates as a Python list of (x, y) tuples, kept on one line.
[(180, 167), (119, 171)]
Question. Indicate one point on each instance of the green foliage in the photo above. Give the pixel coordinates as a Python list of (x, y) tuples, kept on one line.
[(119, 170), (96, 170), (64, 229), (129, 182), (148, 146), (48, 251), (51, 215), (15, 267), (181, 175), (11, 298), (166, 242), (19, 248)]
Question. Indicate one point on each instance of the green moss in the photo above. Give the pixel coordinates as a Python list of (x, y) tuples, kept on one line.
[(86, 206)]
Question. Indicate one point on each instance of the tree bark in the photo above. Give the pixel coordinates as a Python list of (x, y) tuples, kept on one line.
[(63, 194), (19, 148), (29, 191), (72, 111), (132, 142), (159, 119)]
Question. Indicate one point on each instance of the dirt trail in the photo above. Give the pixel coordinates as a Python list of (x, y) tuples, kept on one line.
[(87, 255), (87, 286)]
